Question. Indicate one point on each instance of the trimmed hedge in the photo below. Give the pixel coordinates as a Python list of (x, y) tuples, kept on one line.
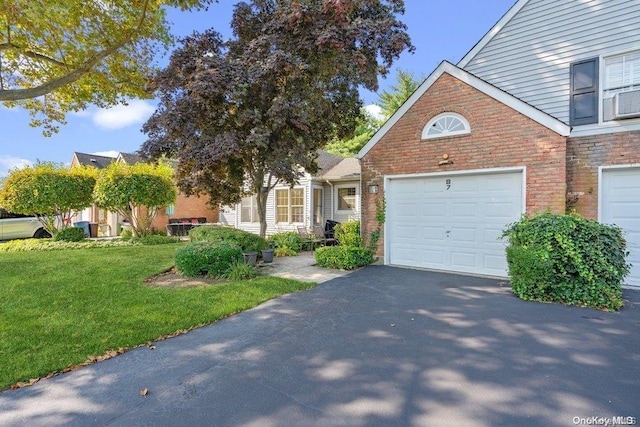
[(248, 242), (567, 259), (207, 258), (71, 234), (343, 257)]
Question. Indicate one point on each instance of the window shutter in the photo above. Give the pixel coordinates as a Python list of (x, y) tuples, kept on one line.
[(583, 103)]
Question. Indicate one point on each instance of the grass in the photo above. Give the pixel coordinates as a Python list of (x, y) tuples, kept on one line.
[(63, 308)]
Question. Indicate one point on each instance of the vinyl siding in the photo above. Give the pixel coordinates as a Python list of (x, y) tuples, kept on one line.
[(530, 56)]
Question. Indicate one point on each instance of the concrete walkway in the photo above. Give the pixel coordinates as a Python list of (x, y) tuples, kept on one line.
[(302, 267)]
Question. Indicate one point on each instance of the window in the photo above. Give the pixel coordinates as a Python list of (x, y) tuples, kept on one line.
[(621, 73), (290, 205), (346, 198), (249, 209), (446, 124)]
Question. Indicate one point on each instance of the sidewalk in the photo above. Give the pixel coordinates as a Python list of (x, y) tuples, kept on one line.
[(302, 267)]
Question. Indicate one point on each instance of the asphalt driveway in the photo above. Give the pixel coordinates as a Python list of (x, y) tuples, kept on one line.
[(381, 346)]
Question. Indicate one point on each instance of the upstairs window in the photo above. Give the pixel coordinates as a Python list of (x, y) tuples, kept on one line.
[(446, 124), (583, 101), (621, 73)]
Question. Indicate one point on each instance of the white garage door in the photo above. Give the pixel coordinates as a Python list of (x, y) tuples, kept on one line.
[(620, 205), (452, 222)]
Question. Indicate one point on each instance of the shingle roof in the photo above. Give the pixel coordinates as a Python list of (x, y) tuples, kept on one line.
[(93, 160), (131, 158), (348, 168), (326, 161)]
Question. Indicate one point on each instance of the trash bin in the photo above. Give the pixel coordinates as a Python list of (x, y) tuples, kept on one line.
[(84, 225), (93, 229)]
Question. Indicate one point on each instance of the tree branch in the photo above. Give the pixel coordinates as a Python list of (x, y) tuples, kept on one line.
[(31, 54)]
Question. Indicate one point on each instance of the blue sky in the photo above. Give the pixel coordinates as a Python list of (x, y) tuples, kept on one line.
[(439, 29)]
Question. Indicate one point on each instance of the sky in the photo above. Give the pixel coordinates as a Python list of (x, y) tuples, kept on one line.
[(439, 29)]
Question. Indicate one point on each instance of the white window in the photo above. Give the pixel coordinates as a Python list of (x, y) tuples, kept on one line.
[(621, 73), (347, 198), (446, 124), (290, 205), (249, 209)]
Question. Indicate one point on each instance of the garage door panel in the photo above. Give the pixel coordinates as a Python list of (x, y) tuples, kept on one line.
[(455, 228), (620, 205)]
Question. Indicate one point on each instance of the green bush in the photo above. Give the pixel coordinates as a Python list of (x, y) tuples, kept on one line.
[(71, 234), (348, 233), (240, 270), (289, 239), (343, 257), (41, 245), (567, 259), (207, 258), (248, 242), (284, 251)]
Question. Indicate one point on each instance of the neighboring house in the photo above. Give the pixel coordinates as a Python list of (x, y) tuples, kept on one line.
[(543, 113), (332, 194), (110, 223)]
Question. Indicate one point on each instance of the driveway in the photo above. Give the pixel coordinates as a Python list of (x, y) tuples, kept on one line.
[(381, 346)]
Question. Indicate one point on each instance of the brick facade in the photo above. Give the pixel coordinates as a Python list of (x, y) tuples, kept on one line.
[(585, 155), (187, 207), (500, 137)]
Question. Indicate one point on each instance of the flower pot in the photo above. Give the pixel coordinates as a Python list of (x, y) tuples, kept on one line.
[(250, 257), (267, 255)]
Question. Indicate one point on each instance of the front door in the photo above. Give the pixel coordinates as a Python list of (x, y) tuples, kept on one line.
[(318, 218)]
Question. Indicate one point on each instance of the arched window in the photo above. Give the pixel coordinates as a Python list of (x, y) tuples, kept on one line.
[(446, 124)]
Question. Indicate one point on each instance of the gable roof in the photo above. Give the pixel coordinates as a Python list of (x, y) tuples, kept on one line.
[(99, 162), (326, 161), (130, 158), (492, 32), (498, 94), (348, 168)]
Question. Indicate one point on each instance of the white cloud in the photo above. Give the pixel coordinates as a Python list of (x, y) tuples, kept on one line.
[(122, 116), (374, 110), (9, 162), (111, 153)]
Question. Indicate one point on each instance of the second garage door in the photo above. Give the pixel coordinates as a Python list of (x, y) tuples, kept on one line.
[(452, 222)]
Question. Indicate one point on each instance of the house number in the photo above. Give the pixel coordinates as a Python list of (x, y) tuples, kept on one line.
[(448, 183)]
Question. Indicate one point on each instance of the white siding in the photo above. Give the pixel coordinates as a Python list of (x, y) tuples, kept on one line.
[(530, 56)]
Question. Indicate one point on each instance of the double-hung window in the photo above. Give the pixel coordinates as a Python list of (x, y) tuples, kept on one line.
[(290, 205), (249, 209), (621, 73), (346, 198)]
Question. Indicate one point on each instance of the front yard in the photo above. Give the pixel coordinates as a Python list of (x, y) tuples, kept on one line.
[(63, 308)]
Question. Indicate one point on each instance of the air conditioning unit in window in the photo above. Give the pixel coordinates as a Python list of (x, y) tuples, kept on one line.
[(626, 105)]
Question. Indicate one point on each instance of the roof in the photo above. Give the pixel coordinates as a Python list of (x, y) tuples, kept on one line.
[(326, 161), (99, 162), (488, 89), (348, 168), (131, 158), (492, 32)]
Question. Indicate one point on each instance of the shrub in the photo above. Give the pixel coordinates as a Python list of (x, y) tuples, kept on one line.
[(207, 258), (240, 270), (284, 251), (348, 233), (290, 239), (248, 242), (41, 245), (567, 259), (343, 257), (71, 234)]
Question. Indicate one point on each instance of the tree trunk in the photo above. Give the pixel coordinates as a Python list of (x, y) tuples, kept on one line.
[(261, 199)]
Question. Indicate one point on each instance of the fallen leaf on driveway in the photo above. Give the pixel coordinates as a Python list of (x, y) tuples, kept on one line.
[(144, 392)]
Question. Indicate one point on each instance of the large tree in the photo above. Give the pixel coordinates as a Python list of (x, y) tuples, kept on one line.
[(61, 55), (53, 193), (249, 112), (391, 100)]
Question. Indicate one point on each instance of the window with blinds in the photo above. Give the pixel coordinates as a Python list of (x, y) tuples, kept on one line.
[(621, 73)]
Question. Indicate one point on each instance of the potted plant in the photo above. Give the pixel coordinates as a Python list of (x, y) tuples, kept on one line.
[(250, 258), (267, 254)]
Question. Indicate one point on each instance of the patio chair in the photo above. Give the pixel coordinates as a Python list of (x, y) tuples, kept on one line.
[(321, 235), (308, 241)]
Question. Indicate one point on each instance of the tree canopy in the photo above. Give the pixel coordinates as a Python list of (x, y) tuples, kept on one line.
[(246, 113), (136, 192), (49, 191), (58, 56)]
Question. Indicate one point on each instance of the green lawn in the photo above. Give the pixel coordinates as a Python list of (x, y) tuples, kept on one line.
[(60, 308)]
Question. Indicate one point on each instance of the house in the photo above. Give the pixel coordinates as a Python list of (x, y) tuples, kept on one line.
[(542, 113), (333, 193), (110, 223)]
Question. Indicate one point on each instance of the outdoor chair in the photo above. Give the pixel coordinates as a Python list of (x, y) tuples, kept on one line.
[(321, 235), (307, 240)]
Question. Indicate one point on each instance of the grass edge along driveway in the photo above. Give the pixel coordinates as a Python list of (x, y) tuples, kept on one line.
[(63, 308)]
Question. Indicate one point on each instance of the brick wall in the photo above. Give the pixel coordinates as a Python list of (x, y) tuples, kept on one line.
[(585, 155), (187, 207), (500, 137)]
